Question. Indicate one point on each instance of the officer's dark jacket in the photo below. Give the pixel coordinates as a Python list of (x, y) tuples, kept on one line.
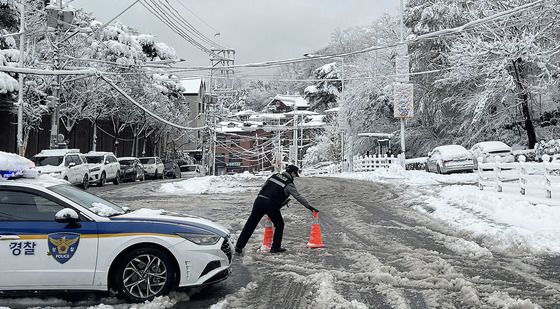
[(278, 189)]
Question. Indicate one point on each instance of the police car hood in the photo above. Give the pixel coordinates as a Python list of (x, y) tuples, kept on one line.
[(163, 216)]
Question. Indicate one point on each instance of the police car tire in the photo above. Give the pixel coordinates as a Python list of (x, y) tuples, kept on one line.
[(118, 279)]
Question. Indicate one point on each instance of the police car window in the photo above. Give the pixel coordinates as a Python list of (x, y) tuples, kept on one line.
[(24, 206), (87, 200)]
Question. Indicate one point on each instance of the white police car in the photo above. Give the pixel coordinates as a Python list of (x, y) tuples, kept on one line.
[(54, 236)]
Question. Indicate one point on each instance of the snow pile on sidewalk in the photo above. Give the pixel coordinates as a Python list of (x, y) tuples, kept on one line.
[(396, 173), (214, 184), (500, 221)]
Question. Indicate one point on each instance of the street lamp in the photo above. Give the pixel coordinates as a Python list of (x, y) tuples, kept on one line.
[(342, 75)]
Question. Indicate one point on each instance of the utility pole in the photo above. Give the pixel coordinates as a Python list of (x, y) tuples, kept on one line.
[(294, 151), (221, 60), (21, 147), (56, 86), (403, 146)]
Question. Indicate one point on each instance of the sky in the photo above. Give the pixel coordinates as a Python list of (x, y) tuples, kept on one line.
[(258, 30)]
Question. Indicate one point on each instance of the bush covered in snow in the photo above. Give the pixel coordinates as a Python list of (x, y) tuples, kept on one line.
[(551, 148)]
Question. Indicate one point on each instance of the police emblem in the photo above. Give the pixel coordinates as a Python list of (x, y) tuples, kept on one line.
[(62, 246)]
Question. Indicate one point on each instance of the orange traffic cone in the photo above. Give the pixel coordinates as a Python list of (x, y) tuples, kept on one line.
[(316, 238), (268, 233)]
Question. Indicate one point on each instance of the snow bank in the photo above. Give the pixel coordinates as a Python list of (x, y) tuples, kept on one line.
[(214, 184), (498, 221), (418, 178), (502, 221)]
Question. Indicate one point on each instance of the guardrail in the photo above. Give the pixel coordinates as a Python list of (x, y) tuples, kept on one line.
[(547, 177)]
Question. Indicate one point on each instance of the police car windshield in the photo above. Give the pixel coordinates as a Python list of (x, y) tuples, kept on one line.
[(88, 200), (126, 162), (50, 160), (94, 160)]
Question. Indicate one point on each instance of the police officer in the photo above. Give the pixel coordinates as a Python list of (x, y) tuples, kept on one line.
[(273, 195)]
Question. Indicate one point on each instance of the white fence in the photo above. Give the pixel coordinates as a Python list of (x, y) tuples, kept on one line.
[(372, 163), (361, 164), (543, 177)]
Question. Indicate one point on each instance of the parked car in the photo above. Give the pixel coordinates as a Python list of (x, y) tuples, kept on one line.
[(489, 150), (153, 167), (191, 170), (449, 158), (131, 169), (171, 169), (66, 164), (58, 237), (103, 167)]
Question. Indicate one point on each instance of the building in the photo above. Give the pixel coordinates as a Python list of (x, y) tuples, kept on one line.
[(243, 146), (196, 97)]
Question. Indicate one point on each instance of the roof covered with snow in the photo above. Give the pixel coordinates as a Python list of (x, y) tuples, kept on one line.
[(493, 146), (291, 100), (192, 86)]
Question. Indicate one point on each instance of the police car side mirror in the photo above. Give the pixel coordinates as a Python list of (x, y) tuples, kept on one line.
[(67, 215), (71, 164)]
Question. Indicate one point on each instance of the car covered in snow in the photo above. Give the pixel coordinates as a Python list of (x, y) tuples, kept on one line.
[(67, 164), (488, 151), (153, 167), (103, 167), (191, 170), (449, 158), (131, 169), (55, 236), (171, 169)]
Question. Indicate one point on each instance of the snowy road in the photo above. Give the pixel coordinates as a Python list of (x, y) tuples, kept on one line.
[(381, 253)]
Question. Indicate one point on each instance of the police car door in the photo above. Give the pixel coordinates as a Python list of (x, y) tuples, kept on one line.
[(37, 252)]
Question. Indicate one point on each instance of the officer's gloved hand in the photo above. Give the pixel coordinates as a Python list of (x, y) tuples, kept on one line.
[(313, 209)]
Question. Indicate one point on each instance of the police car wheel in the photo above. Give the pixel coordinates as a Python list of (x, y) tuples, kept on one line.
[(145, 273)]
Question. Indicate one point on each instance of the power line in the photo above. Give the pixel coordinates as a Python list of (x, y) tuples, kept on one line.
[(158, 13), (193, 13), (182, 20)]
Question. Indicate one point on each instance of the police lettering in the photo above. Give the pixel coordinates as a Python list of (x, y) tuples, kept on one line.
[(16, 248), (28, 247)]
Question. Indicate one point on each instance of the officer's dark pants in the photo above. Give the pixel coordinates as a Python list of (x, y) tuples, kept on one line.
[(262, 207)]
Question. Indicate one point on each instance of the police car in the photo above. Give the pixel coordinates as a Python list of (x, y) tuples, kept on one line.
[(54, 236)]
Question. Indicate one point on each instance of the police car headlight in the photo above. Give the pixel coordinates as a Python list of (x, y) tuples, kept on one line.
[(95, 169), (55, 174), (201, 239)]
